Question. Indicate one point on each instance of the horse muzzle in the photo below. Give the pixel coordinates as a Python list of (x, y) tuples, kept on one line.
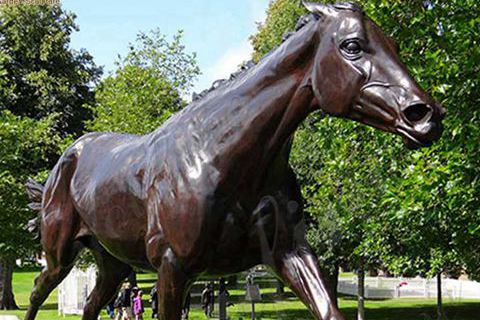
[(415, 116)]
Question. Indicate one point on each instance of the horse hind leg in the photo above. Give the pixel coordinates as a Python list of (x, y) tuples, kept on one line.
[(59, 225), (49, 279), (111, 273), (61, 250)]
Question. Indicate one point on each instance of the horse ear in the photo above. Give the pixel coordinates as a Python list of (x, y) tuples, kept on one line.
[(318, 8)]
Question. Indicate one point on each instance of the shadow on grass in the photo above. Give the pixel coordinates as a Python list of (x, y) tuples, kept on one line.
[(26, 269), (454, 311), (45, 306), (457, 311), (354, 298), (460, 311), (281, 315), (149, 280)]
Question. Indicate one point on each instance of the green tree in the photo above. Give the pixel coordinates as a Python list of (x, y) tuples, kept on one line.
[(435, 197), (147, 86), (24, 147), (39, 73), (167, 59), (44, 89), (420, 212)]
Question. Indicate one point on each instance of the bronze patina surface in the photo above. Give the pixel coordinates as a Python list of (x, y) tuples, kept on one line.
[(211, 190)]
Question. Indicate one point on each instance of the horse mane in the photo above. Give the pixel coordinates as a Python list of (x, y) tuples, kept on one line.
[(352, 6), (246, 66)]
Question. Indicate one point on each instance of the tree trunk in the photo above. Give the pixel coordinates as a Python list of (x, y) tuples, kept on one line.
[(333, 282), (361, 292), (440, 312), (7, 299)]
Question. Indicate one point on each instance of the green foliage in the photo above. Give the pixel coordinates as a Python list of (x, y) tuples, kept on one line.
[(168, 60), (435, 197), (44, 87), (39, 73), (370, 199), (134, 100), (24, 146), (350, 163), (146, 88)]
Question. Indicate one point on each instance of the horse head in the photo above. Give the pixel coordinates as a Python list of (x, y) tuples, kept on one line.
[(357, 74)]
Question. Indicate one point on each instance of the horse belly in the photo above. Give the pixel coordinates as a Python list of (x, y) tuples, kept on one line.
[(183, 226), (180, 215), (117, 219), (232, 251), (232, 245)]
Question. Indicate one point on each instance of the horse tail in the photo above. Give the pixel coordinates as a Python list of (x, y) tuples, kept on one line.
[(35, 193)]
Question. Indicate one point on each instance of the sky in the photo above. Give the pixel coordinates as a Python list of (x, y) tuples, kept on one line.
[(217, 30)]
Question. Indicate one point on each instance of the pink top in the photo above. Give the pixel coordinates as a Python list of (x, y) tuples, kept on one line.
[(137, 305)]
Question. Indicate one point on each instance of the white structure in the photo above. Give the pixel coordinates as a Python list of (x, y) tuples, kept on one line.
[(411, 288), (74, 290)]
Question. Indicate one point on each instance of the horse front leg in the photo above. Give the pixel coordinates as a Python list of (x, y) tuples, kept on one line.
[(299, 269), (172, 285)]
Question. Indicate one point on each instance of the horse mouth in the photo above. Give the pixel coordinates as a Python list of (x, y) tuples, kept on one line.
[(411, 142), (414, 139), (415, 135)]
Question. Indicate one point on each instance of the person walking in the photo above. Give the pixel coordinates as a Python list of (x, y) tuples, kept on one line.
[(118, 306), (208, 300), (138, 306), (154, 302), (126, 302)]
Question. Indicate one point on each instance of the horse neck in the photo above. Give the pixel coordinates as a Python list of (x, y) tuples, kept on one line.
[(265, 108)]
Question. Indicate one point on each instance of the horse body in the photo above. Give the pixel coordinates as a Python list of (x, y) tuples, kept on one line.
[(184, 180), (211, 190), (164, 183)]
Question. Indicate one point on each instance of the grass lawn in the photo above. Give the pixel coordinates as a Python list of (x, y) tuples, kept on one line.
[(270, 308)]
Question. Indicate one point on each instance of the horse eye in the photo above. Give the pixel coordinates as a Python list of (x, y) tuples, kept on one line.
[(352, 47)]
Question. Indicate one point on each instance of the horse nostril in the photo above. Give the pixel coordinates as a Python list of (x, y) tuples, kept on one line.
[(417, 112)]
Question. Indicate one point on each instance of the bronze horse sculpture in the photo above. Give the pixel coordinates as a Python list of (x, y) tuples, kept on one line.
[(211, 191)]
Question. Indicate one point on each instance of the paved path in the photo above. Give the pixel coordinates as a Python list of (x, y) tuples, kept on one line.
[(8, 318)]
